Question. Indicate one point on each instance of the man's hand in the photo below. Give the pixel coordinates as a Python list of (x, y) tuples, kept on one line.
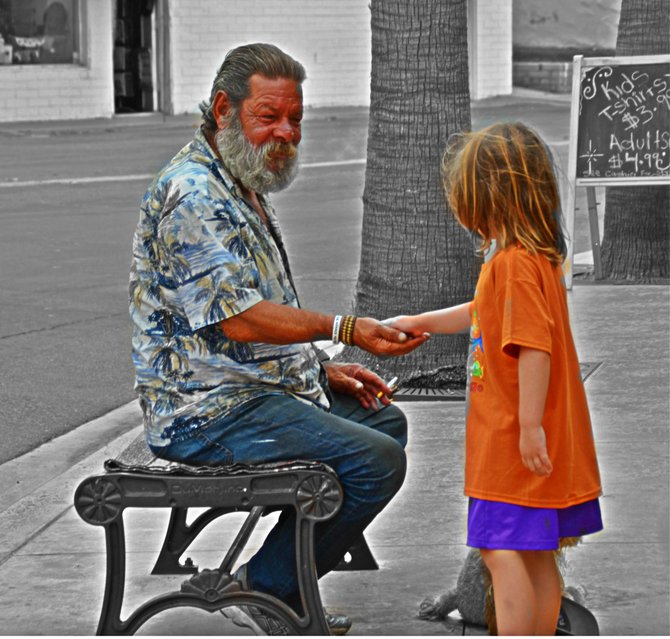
[(273, 323), (379, 339), (405, 323), (354, 379), (533, 449)]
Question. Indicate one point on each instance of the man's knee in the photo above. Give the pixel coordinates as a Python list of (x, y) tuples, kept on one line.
[(392, 422), (381, 471), (396, 459), (397, 425)]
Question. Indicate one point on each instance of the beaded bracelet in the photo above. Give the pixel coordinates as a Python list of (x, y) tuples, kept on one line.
[(348, 323), (336, 329), (343, 329)]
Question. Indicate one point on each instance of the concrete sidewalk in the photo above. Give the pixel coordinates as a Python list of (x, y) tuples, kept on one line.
[(52, 564)]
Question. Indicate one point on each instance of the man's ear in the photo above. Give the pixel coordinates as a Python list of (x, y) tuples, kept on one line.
[(221, 107)]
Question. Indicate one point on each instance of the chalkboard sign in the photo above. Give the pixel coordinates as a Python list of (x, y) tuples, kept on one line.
[(623, 131), (619, 134)]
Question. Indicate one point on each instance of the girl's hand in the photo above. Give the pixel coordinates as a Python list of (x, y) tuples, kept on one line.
[(453, 319), (406, 324), (533, 449)]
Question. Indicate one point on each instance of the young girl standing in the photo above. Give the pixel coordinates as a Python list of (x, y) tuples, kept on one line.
[(531, 472)]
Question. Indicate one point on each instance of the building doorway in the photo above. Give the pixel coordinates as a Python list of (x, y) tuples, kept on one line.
[(134, 56)]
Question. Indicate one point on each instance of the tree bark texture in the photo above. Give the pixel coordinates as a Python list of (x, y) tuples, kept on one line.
[(636, 239), (414, 256)]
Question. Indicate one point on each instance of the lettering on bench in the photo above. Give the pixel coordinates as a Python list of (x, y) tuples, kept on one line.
[(199, 490)]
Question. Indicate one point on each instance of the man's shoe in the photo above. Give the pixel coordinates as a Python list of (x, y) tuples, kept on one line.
[(252, 617), (338, 624), (257, 620), (261, 623)]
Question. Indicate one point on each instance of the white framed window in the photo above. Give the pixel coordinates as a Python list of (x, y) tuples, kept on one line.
[(40, 32)]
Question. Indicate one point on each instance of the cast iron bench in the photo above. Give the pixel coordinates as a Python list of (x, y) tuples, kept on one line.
[(137, 479)]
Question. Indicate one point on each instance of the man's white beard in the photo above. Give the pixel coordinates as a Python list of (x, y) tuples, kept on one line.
[(249, 164)]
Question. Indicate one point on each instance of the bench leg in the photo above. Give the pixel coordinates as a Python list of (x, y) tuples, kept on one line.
[(213, 589), (110, 616), (241, 539), (316, 496), (178, 537), (314, 622)]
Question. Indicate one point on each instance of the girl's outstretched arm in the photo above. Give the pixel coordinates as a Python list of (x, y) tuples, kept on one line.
[(534, 368), (454, 319)]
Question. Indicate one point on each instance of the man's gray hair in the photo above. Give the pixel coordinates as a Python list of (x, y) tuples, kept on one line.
[(239, 65)]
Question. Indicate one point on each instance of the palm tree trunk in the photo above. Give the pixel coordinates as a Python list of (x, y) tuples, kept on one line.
[(636, 234), (414, 257)]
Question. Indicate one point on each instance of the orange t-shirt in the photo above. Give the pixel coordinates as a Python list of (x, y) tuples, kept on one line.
[(521, 300)]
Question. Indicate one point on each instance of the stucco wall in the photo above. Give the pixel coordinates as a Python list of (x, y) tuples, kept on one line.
[(568, 24), (331, 39), (64, 91), (490, 47)]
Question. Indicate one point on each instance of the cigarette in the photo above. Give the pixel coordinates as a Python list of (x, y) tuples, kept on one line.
[(392, 386)]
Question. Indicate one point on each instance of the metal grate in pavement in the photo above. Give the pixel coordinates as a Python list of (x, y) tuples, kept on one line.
[(428, 394), (404, 394), (588, 368)]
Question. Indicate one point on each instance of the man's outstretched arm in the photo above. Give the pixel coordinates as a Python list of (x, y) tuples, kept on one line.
[(278, 324)]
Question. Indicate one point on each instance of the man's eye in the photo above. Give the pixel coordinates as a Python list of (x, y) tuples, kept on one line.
[(266, 118)]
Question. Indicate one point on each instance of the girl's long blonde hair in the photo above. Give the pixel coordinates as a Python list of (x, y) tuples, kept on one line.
[(500, 183)]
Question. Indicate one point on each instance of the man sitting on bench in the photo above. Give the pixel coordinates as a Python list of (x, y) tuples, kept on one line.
[(225, 367)]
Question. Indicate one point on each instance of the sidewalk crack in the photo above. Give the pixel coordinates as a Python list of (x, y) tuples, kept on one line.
[(54, 326)]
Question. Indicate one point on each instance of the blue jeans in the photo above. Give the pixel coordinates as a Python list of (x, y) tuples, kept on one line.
[(364, 447)]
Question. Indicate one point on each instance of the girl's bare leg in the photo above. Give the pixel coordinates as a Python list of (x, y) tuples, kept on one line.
[(513, 592), (544, 575)]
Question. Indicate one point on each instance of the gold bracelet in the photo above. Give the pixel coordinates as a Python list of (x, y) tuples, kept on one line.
[(351, 330), (347, 329)]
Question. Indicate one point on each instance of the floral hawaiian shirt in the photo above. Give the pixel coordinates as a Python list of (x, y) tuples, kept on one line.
[(201, 254)]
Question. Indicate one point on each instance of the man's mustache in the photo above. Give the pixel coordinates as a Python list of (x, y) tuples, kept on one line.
[(274, 149), (277, 156)]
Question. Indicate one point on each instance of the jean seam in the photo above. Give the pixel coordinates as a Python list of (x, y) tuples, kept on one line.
[(216, 445)]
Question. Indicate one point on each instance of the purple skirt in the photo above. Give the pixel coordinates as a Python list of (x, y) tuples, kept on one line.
[(497, 525)]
